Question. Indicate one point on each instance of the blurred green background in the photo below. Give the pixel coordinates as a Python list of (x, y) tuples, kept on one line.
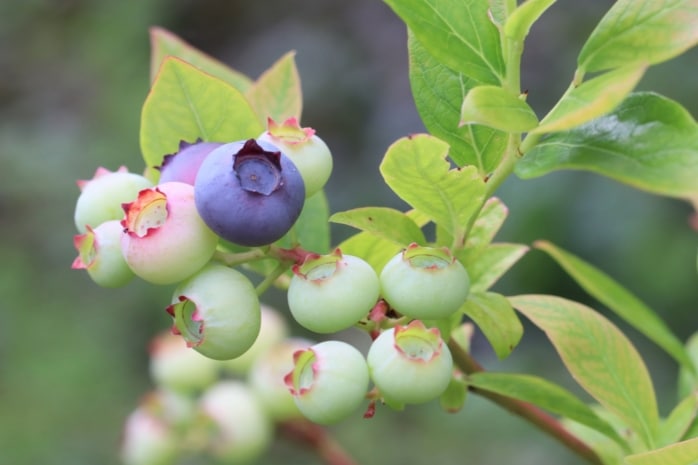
[(73, 76)]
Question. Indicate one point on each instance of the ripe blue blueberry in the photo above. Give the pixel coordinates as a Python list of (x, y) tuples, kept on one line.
[(249, 192)]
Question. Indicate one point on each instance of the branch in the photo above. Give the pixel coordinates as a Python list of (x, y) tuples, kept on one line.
[(318, 439), (529, 412)]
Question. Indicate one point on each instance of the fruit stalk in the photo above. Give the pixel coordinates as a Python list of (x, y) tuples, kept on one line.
[(317, 438)]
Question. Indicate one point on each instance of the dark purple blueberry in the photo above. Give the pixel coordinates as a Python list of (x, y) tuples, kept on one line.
[(183, 165), (249, 192)]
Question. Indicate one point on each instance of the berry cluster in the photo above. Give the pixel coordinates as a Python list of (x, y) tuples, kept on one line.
[(202, 221)]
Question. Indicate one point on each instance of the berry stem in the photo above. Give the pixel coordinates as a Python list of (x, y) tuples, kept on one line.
[(270, 278), (238, 258), (529, 412), (318, 439)]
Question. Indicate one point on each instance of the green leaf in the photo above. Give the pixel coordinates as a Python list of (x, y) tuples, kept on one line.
[(544, 394), (622, 302), (488, 265), (416, 169), (640, 31), (591, 99), (681, 453), (679, 420), (599, 357), (458, 34), (497, 108), (375, 250), (496, 319), (438, 93), (312, 229), (523, 17), (649, 142), (277, 92), (164, 43), (688, 375), (487, 224), (387, 223), (453, 398), (187, 104)]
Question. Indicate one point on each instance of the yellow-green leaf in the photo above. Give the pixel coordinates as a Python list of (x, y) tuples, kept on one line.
[(187, 104), (593, 98), (546, 395), (417, 170), (681, 453), (599, 357), (387, 223), (523, 17), (626, 305), (496, 319), (497, 108), (164, 43), (640, 31), (277, 93)]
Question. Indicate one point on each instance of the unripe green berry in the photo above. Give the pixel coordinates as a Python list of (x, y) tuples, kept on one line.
[(425, 283), (178, 368), (217, 312), (101, 197), (306, 150), (147, 439), (100, 254), (410, 364), (332, 292), (272, 331), (266, 378), (329, 381), (241, 432)]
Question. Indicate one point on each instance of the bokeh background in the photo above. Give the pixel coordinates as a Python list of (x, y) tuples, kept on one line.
[(73, 76)]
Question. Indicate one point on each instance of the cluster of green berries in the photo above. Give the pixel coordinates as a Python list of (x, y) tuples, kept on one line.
[(178, 229)]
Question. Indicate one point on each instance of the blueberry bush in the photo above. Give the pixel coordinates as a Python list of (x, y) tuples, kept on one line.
[(231, 203)]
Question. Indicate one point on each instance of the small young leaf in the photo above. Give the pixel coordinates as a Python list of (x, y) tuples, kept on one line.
[(679, 420), (496, 318), (374, 249), (498, 12), (497, 108), (544, 394), (591, 99), (523, 17), (599, 357), (416, 169), (187, 104), (485, 267), (649, 142), (277, 92), (681, 453), (164, 43), (607, 291), (640, 31), (438, 94), (387, 223), (453, 399), (459, 34)]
